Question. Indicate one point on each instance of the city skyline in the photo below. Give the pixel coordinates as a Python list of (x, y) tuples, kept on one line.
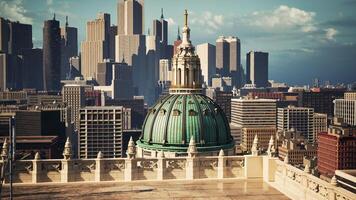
[(303, 39)]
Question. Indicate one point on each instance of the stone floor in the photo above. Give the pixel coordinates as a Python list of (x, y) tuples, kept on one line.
[(198, 189)]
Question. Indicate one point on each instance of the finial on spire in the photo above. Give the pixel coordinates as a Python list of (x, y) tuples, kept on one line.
[(162, 13), (66, 21), (54, 16), (186, 18)]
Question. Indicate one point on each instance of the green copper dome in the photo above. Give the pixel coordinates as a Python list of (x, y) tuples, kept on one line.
[(175, 118)]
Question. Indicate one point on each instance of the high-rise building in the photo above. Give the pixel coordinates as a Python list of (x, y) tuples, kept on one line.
[(130, 17), (346, 108), (32, 68), (165, 70), (228, 58), (95, 48), (10, 72), (253, 112), (104, 75), (74, 96), (299, 118), (207, 55), (223, 99), (137, 106), (257, 68), (40, 123), (112, 35), (153, 54), (14, 36), (74, 67), (69, 48), (320, 99), (131, 43), (222, 56), (337, 148), (263, 134), (51, 55), (236, 133), (101, 129), (160, 30), (320, 124)]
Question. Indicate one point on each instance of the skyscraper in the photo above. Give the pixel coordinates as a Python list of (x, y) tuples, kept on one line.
[(257, 68), (160, 30), (112, 35), (51, 55), (228, 58), (131, 44), (222, 56), (96, 45), (14, 36), (130, 17), (74, 96), (206, 53), (69, 47), (32, 68), (299, 118)]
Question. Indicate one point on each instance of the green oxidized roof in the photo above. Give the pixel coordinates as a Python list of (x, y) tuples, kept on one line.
[(175, 118)]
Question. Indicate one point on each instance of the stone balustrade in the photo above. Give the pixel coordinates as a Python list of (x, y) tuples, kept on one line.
[(299, 184), (129, 169)]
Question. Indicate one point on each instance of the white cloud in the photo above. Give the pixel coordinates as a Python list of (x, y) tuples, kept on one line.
[(210, 21), (15, 11), (171, 21), (330, 33), (284, 17), (49, 2)]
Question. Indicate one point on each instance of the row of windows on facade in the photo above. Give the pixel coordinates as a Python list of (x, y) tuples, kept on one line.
[(100, 116)]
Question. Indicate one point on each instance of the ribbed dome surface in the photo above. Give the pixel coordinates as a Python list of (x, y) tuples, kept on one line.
[(175, 118)]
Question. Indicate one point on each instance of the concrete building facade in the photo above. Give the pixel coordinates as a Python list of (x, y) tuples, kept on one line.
[(253, 112), (257, 68), (101, 129), (299, 118), (52, 55), (95, 48), (207, 55)]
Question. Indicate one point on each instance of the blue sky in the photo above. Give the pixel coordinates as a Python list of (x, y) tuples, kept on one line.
[(306, 39)]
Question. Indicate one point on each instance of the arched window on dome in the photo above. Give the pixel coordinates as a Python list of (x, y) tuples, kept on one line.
[(176, 112), (162, 112), (192, 112)]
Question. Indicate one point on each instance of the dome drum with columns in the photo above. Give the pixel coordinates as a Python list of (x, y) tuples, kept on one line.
[(185, 115)]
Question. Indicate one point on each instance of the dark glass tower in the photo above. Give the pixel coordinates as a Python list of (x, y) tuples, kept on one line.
[(51, 55)]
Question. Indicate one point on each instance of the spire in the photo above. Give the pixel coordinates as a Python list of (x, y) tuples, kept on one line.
[(67, 153), (178, 34), (54, 16), (186, 18), (186, 32), (162, 17), (66, 21), (254, 148), (148, 31)]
